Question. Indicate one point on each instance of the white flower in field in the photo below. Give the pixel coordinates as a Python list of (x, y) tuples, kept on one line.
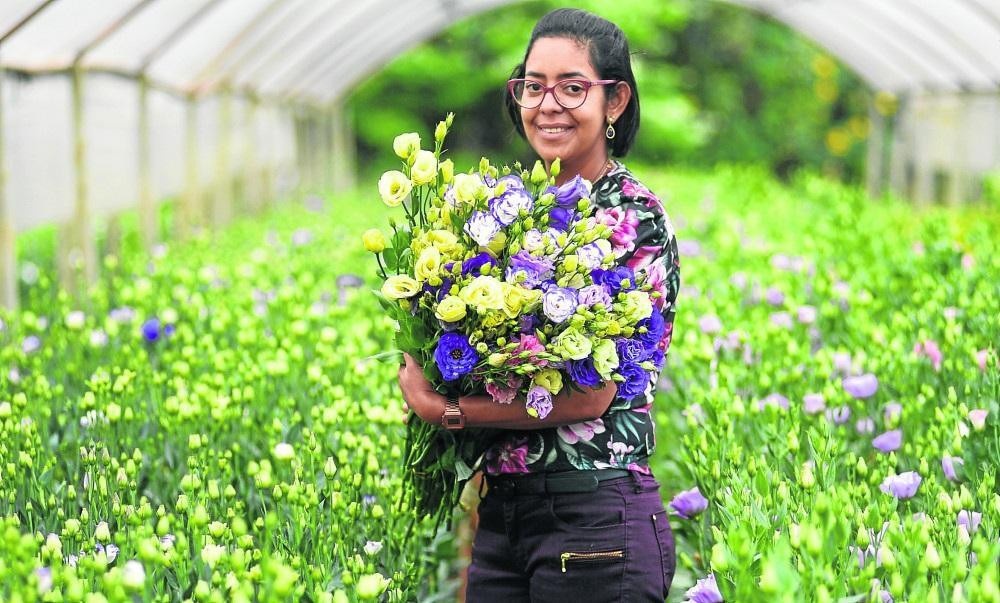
[(167, 542), (211, 553), (373, 546), (978, 418), (133, 575), (75, 320), (29, 273), (283, 451), (5, 410), (98, 338), (103, 532), (370, 586), (44, 575), (110, 552)]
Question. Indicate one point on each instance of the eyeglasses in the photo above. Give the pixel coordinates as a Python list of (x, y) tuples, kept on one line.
[(570, 94)]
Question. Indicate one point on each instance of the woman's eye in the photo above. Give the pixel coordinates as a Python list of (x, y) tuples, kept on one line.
[(533, 87), (573, 89)]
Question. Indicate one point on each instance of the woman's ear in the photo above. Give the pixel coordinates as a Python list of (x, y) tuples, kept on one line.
[(619, 99)]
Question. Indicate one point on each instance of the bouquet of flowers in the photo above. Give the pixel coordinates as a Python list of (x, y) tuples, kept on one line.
[(504, 284)]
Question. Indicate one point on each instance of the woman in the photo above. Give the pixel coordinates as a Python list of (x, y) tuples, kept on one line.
[(571, 507)]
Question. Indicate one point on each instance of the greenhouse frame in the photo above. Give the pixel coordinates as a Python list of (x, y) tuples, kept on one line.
[(227, 104)]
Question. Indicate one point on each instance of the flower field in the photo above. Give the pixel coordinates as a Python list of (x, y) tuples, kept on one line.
[(206, 425)]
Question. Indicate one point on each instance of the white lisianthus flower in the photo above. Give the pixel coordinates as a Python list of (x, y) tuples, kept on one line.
[(428, 264), (484, 293), (133, 575), (372, 547), (283, 451), (393, 187), (406, 144), (424, 169), (468, 188), (400, 286), (75, 320)]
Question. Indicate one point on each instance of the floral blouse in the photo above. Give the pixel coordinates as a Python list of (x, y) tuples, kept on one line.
[(624, 436)]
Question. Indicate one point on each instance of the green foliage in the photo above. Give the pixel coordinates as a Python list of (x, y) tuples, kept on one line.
[(716, 82)]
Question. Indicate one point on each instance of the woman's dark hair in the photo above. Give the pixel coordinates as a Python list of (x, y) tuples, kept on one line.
[(609, 55)]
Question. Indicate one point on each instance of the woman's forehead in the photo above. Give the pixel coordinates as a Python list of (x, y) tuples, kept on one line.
[(558, 58)]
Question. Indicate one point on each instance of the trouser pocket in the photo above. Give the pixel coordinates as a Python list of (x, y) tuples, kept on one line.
[(570, 558), (665, 540)]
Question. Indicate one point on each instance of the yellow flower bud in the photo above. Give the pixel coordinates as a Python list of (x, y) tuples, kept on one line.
[(373, 240), (447, 168)]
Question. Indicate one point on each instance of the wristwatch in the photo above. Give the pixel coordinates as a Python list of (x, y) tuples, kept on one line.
[(453, 417)]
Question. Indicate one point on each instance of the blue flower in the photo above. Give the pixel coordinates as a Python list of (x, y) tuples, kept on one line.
[(631, 350), (454, 356), (655, 326), (583, 373), (613, 279), (636, 380), (151, 330), (570, 193), (559, 218), (473, 264)]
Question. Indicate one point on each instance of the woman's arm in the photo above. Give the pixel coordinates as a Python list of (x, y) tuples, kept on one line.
[(481, 411)]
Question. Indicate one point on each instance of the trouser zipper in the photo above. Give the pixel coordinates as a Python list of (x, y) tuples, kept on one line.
[(589, 557)]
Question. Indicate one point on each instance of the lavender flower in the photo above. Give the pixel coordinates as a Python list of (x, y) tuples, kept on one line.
[(839, 415), (892, 412), (969, 519), (704, 591), (689, 503), (864, 425), (594, 294), (506, 207), (590, 255), (775, 400), (535, 270), (539, 402), (813, 403), (782, 320), (806, 315), (636, 380), (901, 486), (482, 227), (571, 192), (948, 466), (559, 303), (774, 296), (709, 324), (842, 363), (559, 218), (888, 441), (30, 344), (862, 386)]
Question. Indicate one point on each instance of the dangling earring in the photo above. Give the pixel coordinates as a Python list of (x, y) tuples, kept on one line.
[(610, 132)]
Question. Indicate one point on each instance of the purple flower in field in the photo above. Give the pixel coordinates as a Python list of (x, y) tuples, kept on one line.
[(978, 418), (688, 248), (901, 486), (539, 402), (888, 441), (948, 466), (570, 193), (474, 264), (806, 315), (774, 296), (30, 344), (862, 386), (738, 280), (839, 415), (886, 596), (773, 399), (559, 303), (813, 403), (969, 519), (892, 412), (864, 425), (153, 330), (781, 261), (782, 320), (709, 324), (594, 294), (704, 591), (482, 227), (535, 270), (454, 356), (122, 315), (302, 236), (982, 357), (689, 503), (44, 575), (842, 363)]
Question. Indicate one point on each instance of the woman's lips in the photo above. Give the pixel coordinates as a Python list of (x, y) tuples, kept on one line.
[(553, 132)]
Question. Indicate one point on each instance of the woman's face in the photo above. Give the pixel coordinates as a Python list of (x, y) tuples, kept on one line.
[(576, 136)]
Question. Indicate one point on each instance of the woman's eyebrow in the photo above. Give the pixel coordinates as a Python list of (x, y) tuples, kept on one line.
[(560, 76)]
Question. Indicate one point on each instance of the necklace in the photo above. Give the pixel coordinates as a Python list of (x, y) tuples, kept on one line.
[(604, 170)]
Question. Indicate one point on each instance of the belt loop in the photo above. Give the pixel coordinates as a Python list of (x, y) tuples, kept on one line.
[(635, 480)]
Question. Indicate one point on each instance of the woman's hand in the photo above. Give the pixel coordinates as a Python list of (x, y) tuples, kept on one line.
[(418, 395)]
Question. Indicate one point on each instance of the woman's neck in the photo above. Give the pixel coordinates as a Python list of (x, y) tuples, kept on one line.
[(591, 169)]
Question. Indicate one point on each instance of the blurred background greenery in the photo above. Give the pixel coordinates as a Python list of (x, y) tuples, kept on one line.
[(718, 83)]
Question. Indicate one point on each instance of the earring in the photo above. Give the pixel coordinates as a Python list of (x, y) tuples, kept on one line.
[(610, 132)]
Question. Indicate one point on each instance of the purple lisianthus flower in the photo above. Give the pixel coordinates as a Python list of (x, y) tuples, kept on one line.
[(689, 503), (559, 303), (630, 350), (570, 193), (539, 402), (709, 324), (528, 322), (658, 357), (590, 255), (774, 296), (454, 356), (30, 344), (482, 227), (655, 327), (636, 380), (862, 386), (705, 591), (839, 415), (948, 466), (474, 264), (782, 320), (842, 363), (533, 239), (593, 294), (613, 279), (892, 411), (901, 486), (583, 373), (151, 330), (969, 519), (535, 269), (560, 218), (512, 182), (773, 399), (864, 425), (813, 403), (888, 441), (507, 206)]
